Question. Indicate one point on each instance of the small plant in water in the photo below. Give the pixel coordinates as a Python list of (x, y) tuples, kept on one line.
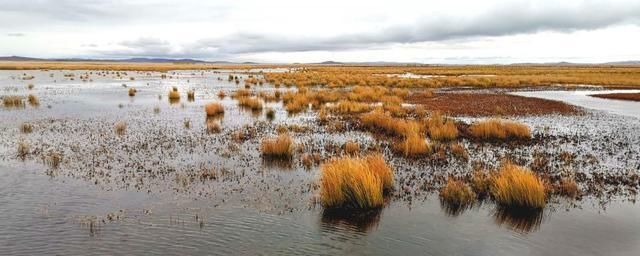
[(279, 147), (214, 109), (26, 128), (120, 127)]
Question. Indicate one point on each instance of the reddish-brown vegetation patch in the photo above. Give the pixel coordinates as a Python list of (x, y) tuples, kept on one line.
[(489, 104), (619, 96)]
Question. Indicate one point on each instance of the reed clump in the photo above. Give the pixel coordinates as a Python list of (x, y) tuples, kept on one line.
[(517, 186), (441, 128), (457, 193), (214, 109), (355, 182), (500, 129), (279, 147), (13, 101)]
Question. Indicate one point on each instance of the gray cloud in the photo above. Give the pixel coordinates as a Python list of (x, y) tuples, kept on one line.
[(512, 19), (521, 17)]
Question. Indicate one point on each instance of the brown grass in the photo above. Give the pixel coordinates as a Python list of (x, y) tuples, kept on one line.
[(174, 94), (252, 103), (518, 186), (354, 182), (278, 147), (23, 148), (13, 101), (120, 127), (441, 128), (352, 148), (191, 95), (132, 92), (413, 145), (457, 193), (213, 126), (490, 104), (567, 187), (377, 120), (26, 128), (500, 129), (619, 96), (214, 109), (221, 94)]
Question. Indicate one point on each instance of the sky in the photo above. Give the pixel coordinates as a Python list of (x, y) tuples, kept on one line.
[(421, 31)]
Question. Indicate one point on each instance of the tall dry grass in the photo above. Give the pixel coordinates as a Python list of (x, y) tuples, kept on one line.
[(214, 109), (518, 186), (500, 129), (279, 147), (355, 182), (441, 128)]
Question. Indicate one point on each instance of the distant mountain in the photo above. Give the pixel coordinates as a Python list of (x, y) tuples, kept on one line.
[(18, 58), (142, 60), (629, 62)]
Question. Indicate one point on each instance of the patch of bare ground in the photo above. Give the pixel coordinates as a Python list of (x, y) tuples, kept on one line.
[(618, 96), (491, 104)]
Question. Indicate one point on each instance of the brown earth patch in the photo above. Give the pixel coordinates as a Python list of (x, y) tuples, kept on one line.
[(618, 96), (491, 104)]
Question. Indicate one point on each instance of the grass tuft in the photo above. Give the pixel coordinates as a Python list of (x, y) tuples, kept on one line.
[(500, 129), (518, 186), (354, 182), (278, 147), (214, 109), (457, 193)]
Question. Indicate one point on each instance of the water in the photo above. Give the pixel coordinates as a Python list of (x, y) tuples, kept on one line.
[(581, 98), (259, 209)]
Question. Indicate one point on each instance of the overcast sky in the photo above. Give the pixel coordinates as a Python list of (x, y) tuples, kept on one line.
[(451, 31)]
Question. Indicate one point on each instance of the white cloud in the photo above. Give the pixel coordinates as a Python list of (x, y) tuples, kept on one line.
[(296, 31)]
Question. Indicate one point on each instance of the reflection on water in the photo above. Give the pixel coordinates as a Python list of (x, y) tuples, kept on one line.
[(518, 219), (353, 220), (454, 210), (277, 163)]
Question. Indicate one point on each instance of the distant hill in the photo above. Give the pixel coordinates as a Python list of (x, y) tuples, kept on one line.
[(18, 58)]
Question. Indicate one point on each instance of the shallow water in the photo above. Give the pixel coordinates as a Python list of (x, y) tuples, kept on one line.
[(131, 194), (581, 98)]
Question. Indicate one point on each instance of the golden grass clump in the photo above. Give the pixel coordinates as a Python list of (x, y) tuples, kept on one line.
[(457, 193), (13, 101), (191, 95), (132, 92), (480, 182), (33, 100), (518, 186), (250, 102), (354, 182), (500, 129), (213, 126), (278, 147), (352, 148), (413, 145), (567, 187), (174, 94), (214, 109), (350, 107), (26, 128), (378, 120), (23, 148), (221, 94), (120, 127), (441, 128)]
